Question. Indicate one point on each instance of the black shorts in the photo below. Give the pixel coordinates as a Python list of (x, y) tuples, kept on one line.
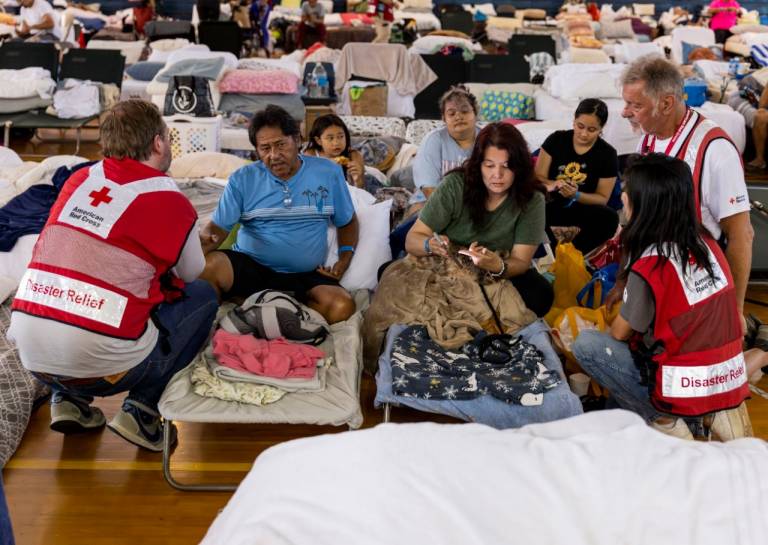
[(251, 276)]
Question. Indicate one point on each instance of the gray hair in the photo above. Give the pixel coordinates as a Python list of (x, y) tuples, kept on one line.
[(660, 76)]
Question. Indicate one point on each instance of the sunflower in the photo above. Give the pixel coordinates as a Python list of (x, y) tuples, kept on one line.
[(571, 169), (579, 178)]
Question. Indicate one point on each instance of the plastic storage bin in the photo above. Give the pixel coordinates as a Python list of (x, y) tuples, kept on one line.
[(191, 134)]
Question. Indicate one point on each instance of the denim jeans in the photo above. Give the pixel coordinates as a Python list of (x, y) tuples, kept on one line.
[(559, 402), (610, 363), (188, 322), (6, 532)]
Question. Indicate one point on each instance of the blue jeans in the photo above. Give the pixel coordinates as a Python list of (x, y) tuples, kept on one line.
[(188, 323), (610, 363), (6, 532), (559, 402)]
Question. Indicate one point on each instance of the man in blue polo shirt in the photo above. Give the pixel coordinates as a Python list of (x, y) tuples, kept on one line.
[(284, 203)]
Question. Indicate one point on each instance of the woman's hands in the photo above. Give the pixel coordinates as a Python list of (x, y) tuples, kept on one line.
[(438, 245), (484, 258), (568, 189)]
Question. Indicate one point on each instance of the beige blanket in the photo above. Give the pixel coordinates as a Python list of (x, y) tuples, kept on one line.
[(443, 296), (409, 74)]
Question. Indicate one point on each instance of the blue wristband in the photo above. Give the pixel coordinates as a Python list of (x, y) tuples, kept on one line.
[(426, 246), (346, 249), (574, 199)]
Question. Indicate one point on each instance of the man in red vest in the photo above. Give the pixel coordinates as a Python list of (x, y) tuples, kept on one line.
[(102, 307), (653, 93)]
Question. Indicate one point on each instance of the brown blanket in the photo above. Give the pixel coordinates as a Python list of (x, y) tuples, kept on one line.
[(443, 296)]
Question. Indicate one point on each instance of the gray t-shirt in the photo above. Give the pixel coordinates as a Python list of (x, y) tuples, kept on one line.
[(438, 153), (639, 308), (316, 11)]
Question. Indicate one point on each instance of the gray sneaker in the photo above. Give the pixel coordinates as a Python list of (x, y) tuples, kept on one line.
[(140, 425), (71, 415)]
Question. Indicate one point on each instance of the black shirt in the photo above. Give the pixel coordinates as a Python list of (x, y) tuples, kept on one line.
[(587, 169)]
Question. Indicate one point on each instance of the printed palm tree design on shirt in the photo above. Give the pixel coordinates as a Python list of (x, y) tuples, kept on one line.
[(323, 193), (317, 197), (572, 172)]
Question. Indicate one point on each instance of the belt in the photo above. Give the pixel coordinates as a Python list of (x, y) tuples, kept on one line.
[(75, 381)]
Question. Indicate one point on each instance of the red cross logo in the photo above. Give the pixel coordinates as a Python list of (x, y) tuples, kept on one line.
[(732, 200), (100, 196)]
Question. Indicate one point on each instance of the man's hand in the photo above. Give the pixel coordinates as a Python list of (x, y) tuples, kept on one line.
[(211, 237), (24, 29), (338, 269)]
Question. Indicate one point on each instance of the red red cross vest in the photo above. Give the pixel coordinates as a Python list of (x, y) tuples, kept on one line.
[(691, 147), (702, 367), (98, 261)]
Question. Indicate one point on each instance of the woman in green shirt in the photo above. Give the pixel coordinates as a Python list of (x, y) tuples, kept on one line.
[(492, 203)]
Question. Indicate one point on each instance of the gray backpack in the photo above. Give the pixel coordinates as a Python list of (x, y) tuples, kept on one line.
[(270, 314)]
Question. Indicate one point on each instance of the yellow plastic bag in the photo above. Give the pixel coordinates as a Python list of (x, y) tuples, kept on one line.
[(570, 277), (567, 327)]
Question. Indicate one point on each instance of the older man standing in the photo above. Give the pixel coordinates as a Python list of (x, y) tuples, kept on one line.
[(283, 203), (653, 93)]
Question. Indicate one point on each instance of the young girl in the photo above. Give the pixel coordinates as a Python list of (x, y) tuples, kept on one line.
[(329, 138), (684, 357)]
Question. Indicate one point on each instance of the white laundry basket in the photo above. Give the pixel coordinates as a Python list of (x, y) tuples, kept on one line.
[(190, 134)]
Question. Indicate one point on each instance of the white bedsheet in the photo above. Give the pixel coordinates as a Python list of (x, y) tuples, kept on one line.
[(424, 21), (602, 478), (618, 131)]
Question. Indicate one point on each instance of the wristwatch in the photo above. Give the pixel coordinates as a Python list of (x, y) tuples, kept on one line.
[(426, 246)]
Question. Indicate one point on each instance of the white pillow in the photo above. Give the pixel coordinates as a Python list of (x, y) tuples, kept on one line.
[(742, 29), (418, 4), (372, 245)]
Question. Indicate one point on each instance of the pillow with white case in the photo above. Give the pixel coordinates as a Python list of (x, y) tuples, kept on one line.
[(372, 249)]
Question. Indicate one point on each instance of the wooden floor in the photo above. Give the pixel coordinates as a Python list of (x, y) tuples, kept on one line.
[(97, 489)]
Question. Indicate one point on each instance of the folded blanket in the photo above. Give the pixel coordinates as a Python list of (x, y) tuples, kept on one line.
[(443, 296), (207, 384), (225, 374), (27, 82)]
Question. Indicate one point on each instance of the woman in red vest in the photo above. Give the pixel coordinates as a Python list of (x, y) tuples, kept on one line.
[(674, 353)]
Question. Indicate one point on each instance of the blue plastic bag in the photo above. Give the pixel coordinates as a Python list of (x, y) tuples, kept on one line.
[(594, 293)]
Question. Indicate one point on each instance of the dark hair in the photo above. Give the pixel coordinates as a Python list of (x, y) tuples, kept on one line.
[(129, 129), (508, 138), (272, 116), (458, 92), (663, 213), (322, 123), (593, 106)]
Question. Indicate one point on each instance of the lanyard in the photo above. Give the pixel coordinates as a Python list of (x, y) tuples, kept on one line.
[(652, 145)]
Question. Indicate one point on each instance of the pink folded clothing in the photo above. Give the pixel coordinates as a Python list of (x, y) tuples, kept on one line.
[(276, 358)]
